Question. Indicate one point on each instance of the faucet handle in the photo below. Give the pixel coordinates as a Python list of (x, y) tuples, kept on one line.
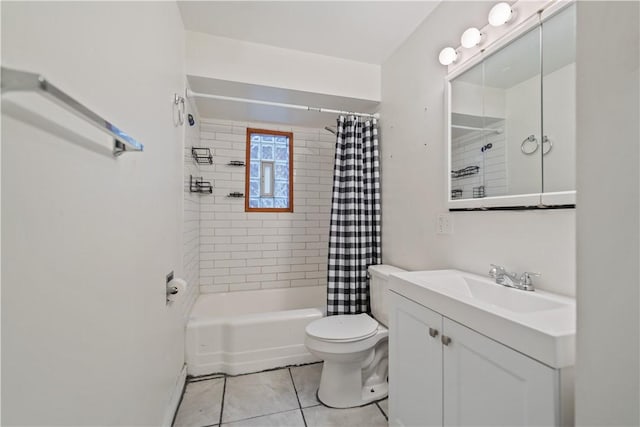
[(525, 278), (495, 269)]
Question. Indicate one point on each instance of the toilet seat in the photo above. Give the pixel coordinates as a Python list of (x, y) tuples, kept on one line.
[(343, 328)]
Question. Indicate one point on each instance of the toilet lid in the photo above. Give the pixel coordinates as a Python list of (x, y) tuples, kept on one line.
[(344, 327)]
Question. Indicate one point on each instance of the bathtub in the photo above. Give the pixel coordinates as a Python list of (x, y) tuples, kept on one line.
[(250, 331)]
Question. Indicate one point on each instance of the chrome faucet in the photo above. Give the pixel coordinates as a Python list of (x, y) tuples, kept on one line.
[(512, 280)]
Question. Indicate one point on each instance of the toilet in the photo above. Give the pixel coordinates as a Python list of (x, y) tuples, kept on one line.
[(354, 349)]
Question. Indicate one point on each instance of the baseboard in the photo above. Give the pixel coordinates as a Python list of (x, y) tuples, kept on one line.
[(175, 397), (233, 366)]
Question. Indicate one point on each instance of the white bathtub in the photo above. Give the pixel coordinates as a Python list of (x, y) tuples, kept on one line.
[(249, 331)]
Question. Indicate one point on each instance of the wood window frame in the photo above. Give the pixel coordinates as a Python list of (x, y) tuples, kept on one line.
[(247, 181)]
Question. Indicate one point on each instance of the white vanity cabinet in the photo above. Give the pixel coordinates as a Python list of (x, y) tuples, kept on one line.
[(443, 373), (415, 364)]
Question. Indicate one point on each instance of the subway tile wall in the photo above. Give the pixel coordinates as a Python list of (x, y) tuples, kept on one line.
[(466, 151), (248, 251), (191, 218)]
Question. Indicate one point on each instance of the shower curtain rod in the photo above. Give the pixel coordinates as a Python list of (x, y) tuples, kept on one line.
[(192, 94)]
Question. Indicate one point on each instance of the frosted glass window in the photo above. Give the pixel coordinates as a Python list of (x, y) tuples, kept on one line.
[(266, 181), (269, 171)]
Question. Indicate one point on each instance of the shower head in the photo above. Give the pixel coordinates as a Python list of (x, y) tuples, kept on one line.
[(328, 129)]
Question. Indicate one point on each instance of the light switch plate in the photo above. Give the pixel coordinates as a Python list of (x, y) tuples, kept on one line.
[(445, 224)]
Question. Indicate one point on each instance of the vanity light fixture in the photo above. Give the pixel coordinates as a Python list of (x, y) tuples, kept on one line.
[(471, 37), (500, 14), (448, 56)]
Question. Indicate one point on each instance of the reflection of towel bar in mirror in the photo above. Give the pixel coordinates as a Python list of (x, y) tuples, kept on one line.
[(23, 81), (532, 138)]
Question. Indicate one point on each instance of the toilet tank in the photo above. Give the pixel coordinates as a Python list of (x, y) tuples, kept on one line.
[(378, 288)]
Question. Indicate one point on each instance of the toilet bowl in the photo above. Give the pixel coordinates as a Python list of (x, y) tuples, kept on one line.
[(354, 349)]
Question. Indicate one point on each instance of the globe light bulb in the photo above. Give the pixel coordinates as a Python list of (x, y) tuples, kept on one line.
[(448, 56), (500, 14), (471, 37)]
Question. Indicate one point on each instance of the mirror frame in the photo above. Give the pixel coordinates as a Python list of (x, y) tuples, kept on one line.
[(541, 200)]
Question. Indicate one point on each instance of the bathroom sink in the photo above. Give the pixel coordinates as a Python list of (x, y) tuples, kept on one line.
[(539, 324), (494, 295)]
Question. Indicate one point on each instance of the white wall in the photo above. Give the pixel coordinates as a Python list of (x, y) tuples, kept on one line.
[(414, 170), (260, 250), (191, 210), (608, 100), (87, 239), (245, 62)]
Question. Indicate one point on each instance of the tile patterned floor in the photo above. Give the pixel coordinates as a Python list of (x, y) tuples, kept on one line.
[(280, 398)]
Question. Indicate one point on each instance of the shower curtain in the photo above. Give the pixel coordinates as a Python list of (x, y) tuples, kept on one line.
[(354, 236)]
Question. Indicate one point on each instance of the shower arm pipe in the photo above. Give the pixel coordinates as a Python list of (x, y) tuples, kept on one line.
[(192, 94)]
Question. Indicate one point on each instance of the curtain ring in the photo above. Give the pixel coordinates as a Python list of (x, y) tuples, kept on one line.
[(530, 138)]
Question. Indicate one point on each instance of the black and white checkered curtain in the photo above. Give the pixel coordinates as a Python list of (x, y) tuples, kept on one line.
[(354, 239)]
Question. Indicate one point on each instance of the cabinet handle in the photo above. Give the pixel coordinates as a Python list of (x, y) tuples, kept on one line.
[(433, 332), (445, 340)]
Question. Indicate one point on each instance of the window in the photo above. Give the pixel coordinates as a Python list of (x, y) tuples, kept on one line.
[(269, 172)]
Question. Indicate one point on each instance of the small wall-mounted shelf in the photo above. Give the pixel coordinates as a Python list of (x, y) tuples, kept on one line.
[(235, 163), (236, 194), (202, 155), (468, 171), (478, 192), (199, 185)]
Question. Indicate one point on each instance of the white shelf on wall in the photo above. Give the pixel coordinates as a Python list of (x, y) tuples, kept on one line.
[(467, 124), (472, 129)]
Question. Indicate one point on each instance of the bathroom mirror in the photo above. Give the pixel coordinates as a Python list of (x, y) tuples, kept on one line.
[(511, 121), (559, 102)]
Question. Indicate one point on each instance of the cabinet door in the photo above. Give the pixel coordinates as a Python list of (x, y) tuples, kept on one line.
[(559, 101), (487, 383), (415, 364)]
